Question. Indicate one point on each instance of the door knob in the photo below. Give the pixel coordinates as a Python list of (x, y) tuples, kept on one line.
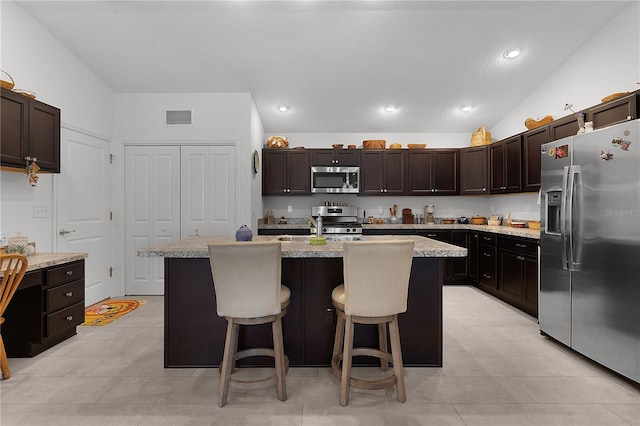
[(64, 231)]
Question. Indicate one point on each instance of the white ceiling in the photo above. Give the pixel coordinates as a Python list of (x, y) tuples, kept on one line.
[(336, 63)]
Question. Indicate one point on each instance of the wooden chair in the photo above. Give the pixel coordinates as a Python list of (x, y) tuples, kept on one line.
[(376, 284), (246, 278), (13, 267)]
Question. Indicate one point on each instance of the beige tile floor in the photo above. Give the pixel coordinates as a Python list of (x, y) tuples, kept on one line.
[(498, 370)]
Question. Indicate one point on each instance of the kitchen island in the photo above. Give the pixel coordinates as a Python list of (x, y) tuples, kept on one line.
[(194, 334)]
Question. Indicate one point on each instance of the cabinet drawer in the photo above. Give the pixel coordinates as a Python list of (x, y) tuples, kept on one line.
[(437, 235), (487, 256), (487, 276), (65, 318), (65, 273), (489, 239), (31, 279), (520, 245), (64, 295)]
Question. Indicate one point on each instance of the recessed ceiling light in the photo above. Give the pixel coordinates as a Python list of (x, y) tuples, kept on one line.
[(389, 108), (510, 54), (283, 108), (465, 108)]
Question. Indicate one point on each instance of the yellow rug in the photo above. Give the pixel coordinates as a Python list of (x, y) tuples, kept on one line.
[(102, 313)]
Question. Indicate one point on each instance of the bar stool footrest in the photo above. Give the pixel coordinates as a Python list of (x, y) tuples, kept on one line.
[(373, 384), (251, 384)]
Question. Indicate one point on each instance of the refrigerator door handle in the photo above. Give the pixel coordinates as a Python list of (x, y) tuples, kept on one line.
[(573, 172), (563, 217)]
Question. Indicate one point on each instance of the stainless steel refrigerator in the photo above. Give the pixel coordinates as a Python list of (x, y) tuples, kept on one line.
[(590, 245)]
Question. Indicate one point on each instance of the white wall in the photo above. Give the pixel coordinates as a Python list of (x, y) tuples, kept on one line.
[(257, 141), (218, 118), (39, 63), (607, 63)]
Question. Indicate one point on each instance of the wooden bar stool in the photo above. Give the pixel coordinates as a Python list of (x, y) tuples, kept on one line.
[(246, 278), (376, 283), (13, 267)]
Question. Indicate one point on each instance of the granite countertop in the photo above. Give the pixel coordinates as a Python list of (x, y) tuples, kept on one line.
[(196, 247), (503, 230), (44, 260)]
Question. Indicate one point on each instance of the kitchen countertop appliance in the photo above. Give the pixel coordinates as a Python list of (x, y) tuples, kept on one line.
[(590, 245), (338, 222)]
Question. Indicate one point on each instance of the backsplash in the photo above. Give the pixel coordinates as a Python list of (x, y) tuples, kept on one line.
[(522, 206)]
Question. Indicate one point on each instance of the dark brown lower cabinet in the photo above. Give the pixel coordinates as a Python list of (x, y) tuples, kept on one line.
[(45, 309), (518, 279)]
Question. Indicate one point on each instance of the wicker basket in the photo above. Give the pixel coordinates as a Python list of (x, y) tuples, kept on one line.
[(481, 137), (277, 142), (7, 84), (374, 144)]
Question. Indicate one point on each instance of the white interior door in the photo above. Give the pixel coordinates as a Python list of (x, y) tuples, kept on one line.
[(83, 208), (208, 190), (152, 213)]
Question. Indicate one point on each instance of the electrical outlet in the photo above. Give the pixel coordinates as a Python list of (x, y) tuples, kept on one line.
[(289, 209), (380, 210), (41, 211)]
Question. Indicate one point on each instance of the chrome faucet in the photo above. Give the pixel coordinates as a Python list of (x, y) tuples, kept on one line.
[(317, 223)]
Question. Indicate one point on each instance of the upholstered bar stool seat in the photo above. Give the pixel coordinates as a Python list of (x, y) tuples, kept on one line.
[(376, 284), (246, 278)]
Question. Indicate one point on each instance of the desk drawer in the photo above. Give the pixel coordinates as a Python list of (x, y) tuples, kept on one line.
[(65, 273), (520, 245), (63, 319), (487, 256), (64, 295)]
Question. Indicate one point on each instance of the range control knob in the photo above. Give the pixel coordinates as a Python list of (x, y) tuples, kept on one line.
[(348, 230)]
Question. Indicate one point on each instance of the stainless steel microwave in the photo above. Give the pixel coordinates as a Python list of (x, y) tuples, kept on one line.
[(335, 180)]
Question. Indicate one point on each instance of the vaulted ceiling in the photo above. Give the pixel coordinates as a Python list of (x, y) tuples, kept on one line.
[(335, 63)]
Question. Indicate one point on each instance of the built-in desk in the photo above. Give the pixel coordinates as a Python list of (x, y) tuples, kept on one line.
[(194, 334), (47, 306)]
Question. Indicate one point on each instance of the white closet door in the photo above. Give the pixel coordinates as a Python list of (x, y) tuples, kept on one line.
[(83, 206), (208, 190), (152, 212)]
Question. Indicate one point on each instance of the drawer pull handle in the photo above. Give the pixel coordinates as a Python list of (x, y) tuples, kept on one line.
[(69, 318), (486, 254), (69, 294), (521, 245), (69, 273), (486, 276), (431, 235)]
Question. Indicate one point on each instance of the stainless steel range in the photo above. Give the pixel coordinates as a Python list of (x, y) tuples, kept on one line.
[(338, 222)]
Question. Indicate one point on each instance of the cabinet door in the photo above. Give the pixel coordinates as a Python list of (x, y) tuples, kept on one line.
[(473, 255), (532, 141), (497, 156), (445, 172), (274, 171), (44, 136), (563, 127), (510, 282), (347, 157), (530, 285), (298, 176), (473, 170), (460, 265), (14, 112), (420, 172), (322, 157), (394, 172), (613, 112), (513, 170), (372, 172)]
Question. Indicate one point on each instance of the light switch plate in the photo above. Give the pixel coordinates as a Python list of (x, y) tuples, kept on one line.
[(380, 210), (289, 209), (41, 211)]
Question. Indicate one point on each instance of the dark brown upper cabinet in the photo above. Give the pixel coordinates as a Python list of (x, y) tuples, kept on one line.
[(474, 168), (285, 172), (383, 172), (563, 127), (433, 171), (532, 141), (335, 157), (505, 159), (613, 112), (30, 130)]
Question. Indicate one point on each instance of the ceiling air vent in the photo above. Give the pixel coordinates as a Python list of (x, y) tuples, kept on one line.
[(179, 117)]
